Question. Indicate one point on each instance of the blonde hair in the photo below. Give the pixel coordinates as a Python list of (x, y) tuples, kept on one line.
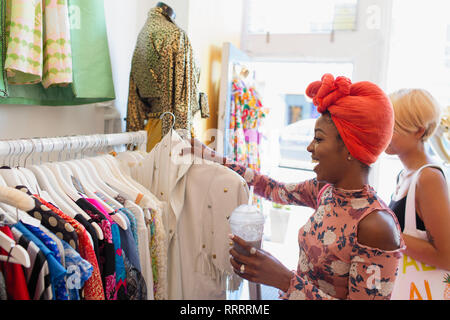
[(415, 109)]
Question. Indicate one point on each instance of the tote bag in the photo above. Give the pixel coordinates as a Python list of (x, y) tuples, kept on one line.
[(416, 280)]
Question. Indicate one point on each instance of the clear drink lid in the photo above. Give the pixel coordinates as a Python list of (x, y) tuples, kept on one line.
[(247, 214)]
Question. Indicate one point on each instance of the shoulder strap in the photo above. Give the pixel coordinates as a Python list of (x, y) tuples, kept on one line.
[(410, 210), (320, 193), (398, 176)]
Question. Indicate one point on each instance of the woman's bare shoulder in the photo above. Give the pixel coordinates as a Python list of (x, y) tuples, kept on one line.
[(379, 230)]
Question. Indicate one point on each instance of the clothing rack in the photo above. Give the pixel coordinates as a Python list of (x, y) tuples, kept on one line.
[(77, 143)]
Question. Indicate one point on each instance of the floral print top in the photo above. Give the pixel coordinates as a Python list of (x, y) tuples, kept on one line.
[(332, 264)]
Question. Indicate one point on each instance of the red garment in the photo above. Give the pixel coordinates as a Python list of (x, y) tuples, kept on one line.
[(93, 287), (362, 113), (16, 284)]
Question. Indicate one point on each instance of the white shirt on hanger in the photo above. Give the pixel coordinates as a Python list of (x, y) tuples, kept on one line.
[(196, 214)]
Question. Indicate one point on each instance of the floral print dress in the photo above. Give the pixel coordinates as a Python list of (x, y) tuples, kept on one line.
[(332, 263)]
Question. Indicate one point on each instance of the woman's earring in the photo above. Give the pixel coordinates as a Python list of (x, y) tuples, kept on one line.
[(349, 158)]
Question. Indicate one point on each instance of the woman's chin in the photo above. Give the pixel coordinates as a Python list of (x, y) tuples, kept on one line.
[(315, 169), (389, 151)]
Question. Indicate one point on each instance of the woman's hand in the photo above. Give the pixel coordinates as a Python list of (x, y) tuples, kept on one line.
[(200, 150), (259, 266)]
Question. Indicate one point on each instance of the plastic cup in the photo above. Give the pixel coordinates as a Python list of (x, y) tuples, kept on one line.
[(247, 222)]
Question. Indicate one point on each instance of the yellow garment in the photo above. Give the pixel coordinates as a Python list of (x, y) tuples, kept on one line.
[(153, 128), (154, 132)]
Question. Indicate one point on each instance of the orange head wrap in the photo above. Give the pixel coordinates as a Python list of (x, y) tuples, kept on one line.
[(362, 113)]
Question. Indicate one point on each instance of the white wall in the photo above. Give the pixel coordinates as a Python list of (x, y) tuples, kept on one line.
[(19, 121), (122, 29)]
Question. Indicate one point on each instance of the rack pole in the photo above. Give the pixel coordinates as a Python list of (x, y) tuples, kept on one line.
[(76, 143)]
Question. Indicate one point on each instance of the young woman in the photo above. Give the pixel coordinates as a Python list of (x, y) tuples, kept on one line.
[(350, 247), (417, 115)]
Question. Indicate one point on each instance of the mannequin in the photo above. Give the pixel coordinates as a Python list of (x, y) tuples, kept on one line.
[(164, 78), (166, 10)]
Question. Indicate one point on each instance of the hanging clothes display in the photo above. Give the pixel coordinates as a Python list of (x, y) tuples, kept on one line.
[(247, 114), (164, 77), (61, 254), (124, 226), (50, 57)]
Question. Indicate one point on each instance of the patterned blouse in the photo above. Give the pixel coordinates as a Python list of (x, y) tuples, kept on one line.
[(52, 221), (332, 264)]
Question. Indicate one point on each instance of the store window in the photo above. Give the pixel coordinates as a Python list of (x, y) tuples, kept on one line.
[(419, 57), (301, 16), (419, 53)]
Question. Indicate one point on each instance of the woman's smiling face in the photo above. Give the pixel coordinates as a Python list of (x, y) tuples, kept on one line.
[(328, 150)]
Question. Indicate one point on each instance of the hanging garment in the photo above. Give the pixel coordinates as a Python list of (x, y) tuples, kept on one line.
[(158, 252), (121, 279), (78, 271), (61, 292), (164, 77), (57, 271), (57, 47), (93, 289), (136, 287), (51, 220), (106, 249), (154, 132), (38, 274), (16, 286), (212, 193), (128, 244), (58, 242), (3, 294), (91, 234), (148, 260), (162, 178), (130, 234), (91, 64), (247, 114), (24, 28), (3, 49), (199, 198), (139, 200)]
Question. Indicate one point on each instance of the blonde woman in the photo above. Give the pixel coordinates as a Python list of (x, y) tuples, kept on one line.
[(417, 114)]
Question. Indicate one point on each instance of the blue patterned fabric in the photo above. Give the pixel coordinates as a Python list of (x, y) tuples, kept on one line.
[(121, 276), (57, 271), (61, 292), (78, 271), (133, 223), (49, 242)]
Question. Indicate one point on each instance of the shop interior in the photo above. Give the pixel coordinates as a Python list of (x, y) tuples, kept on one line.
[(235, 48)]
